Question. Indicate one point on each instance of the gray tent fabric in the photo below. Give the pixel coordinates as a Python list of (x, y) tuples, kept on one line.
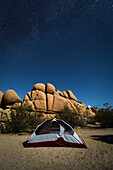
[(54, 132)]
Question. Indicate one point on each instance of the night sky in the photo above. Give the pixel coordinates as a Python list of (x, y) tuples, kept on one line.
[(68, 43)]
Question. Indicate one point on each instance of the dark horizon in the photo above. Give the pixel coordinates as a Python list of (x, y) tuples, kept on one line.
[(66, 42)]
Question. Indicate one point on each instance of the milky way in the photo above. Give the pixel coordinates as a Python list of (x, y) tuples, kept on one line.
[(74, 35), (40, 19)]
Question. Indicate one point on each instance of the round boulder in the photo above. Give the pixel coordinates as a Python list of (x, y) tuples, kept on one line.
[(40, 95), (1, 97), (50, 88), (71, 95), (39, 86), (11, 97)]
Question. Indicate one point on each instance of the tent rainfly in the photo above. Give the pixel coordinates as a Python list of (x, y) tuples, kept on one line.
[(54, 133)]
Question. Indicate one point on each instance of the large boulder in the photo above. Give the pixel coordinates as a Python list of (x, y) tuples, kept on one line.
[(58, 103), (50, 88), (33, 95), (71, 95), (29, 95), (83, 109), (39, 86), (40, 105), (49, 102), (64, 94), (58, 91), (71, 106), (40, 95), (11, 97), (1, 97)]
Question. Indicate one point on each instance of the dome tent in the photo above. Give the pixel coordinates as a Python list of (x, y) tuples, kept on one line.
[(54, 133)]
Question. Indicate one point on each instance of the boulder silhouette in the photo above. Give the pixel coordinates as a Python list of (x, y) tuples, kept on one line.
[(50, 88)]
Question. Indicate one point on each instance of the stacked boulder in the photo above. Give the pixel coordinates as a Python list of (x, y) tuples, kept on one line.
[(44, 98), (7, 101), (49, 100)]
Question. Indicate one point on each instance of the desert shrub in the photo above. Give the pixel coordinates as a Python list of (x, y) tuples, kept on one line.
[(2, 127), (91, 120), (105, 116), (22, 119), (72, 118)]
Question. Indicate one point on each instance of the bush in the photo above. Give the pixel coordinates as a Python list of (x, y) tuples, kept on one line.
[(91, 120), (72, 118), (105, 116), (22, 119)]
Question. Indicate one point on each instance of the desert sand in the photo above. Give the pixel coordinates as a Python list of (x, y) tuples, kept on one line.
[(98, 155)]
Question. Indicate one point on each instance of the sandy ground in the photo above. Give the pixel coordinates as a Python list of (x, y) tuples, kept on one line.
[(99, 154)]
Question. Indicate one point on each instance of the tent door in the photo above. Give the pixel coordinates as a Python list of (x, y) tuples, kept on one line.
[(62, 129)]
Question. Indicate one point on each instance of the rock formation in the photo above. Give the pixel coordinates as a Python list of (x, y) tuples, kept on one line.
[(10, 97), (39, 86), (45, 98)]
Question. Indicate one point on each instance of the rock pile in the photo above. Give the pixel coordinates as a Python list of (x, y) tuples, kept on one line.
[(8, 100), (44, 98), (49, 100)]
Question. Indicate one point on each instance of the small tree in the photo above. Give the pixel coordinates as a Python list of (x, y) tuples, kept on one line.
[(105, 116)]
